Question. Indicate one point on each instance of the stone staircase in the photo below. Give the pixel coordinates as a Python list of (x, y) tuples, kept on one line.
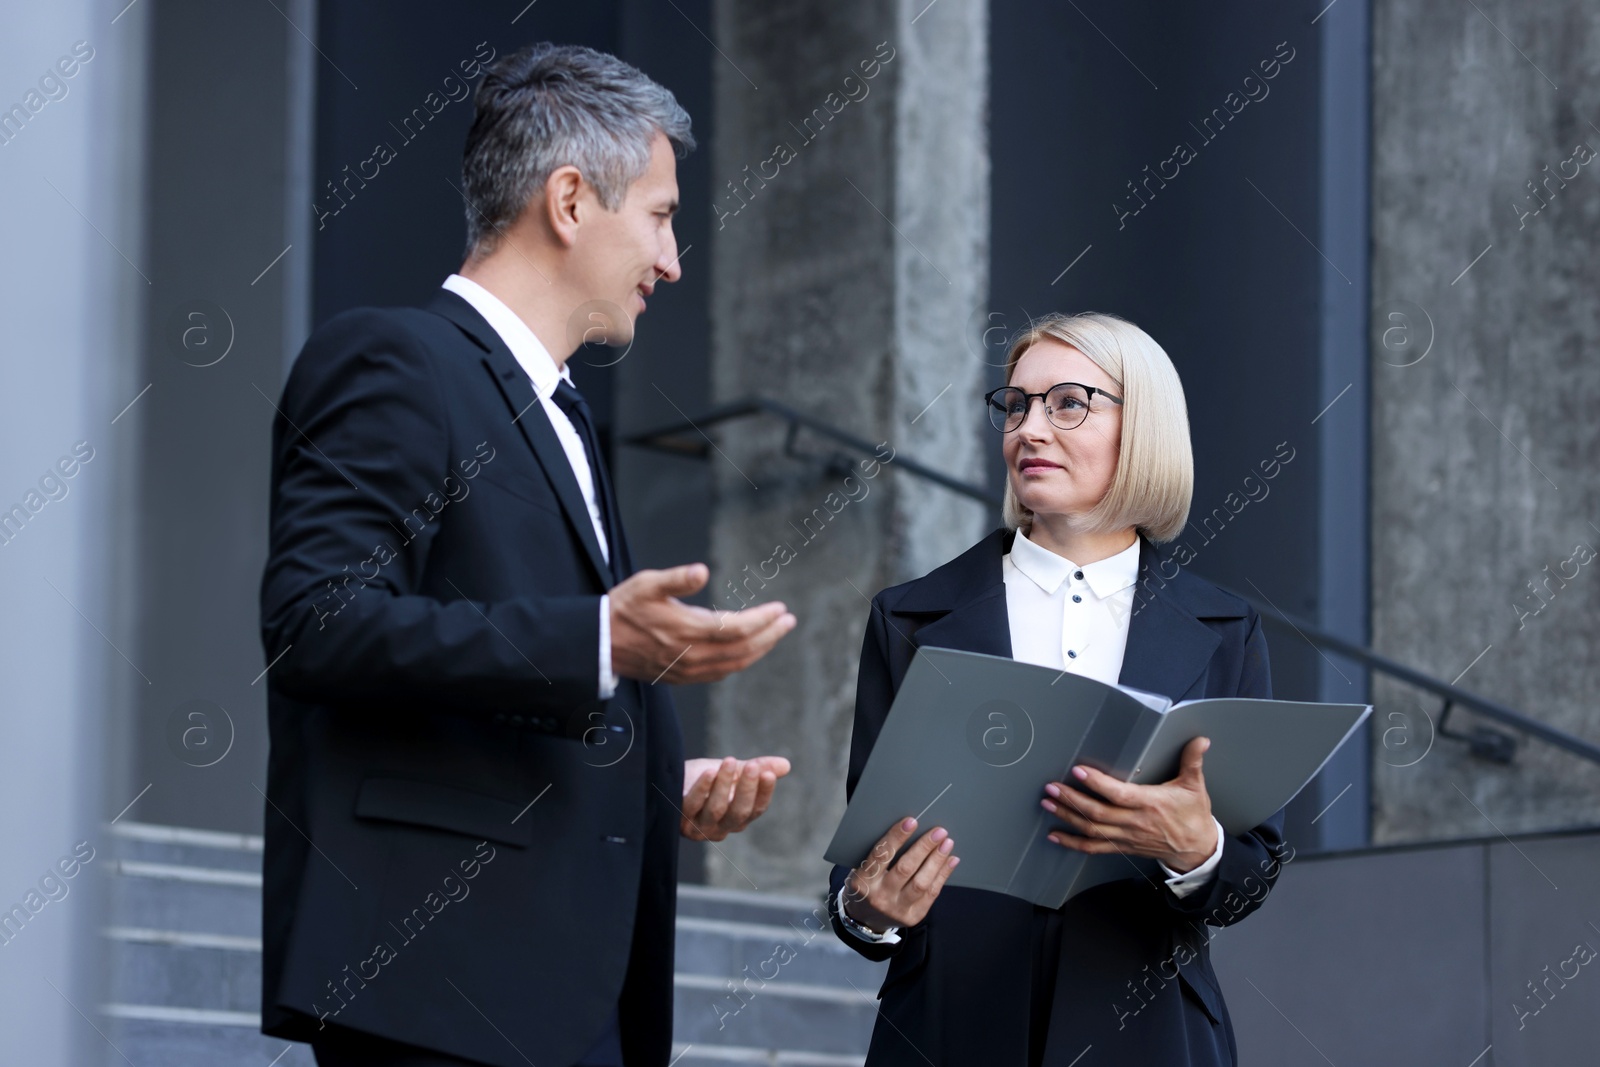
[(760, 977)]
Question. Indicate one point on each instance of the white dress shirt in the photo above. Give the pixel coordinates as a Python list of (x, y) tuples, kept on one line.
[(545, 373), (1075, 619)]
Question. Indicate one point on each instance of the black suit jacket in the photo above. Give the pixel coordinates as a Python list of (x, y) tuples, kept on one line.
[(1135, 981), (466, 849)]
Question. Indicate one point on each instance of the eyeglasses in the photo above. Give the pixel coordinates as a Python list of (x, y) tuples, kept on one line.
[(1065, 405)]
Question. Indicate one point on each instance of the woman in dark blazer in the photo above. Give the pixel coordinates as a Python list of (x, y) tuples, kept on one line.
[(1099, 474)]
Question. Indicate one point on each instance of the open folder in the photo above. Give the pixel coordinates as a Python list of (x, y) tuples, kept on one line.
[(972, 739)]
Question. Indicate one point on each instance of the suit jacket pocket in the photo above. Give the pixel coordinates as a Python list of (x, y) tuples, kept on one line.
[(443, 807), (528, 490), (1202, 987)]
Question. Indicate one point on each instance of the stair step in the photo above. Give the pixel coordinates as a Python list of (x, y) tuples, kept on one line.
[(180, 897), (801, 1024), (185, 847), (183, 938), (173, 972), (704, 1055), (166, 1013), (780, 1014), (145, 1036), (150, 1037), (742, 905), (756, 951)]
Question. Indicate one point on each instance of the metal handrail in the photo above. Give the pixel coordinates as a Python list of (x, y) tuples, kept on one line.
[(1488, 743), (1489, 746), (672, 439)]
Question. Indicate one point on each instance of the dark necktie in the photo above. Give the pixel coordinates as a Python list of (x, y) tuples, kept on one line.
[(570, 401)]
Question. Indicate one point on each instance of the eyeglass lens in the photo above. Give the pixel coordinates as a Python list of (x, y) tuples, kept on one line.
[(1066, 406)]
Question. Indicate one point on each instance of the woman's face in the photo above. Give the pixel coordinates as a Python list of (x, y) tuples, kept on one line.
[(1055, 471)]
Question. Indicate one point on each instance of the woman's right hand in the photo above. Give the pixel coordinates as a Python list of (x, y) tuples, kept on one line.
[(878, 895)]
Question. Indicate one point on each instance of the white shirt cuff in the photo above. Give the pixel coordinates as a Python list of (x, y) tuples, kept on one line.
[(608, 681), (1184, 884), (890, 936)]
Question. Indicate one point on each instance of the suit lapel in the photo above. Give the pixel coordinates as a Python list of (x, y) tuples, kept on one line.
[(980, 625), (621, 557), (967, 596), (528, 415), (1168, 648)]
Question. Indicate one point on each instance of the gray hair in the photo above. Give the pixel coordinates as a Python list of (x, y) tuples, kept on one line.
[(551, 106)]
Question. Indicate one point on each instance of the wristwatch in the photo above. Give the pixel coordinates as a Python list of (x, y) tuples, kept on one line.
[(866, 933)]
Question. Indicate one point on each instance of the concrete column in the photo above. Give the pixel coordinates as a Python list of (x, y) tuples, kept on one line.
[(75, 262), (850, 244), (1485, 324)]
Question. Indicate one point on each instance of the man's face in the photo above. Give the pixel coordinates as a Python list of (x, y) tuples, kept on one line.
[(621, 255)]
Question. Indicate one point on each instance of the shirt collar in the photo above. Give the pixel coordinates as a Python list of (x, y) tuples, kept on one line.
[(1048, 570), (529, 352), (1042, 566), (1114, 573)]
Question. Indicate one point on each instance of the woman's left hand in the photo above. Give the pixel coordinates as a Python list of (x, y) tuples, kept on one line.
[(1170, 822)]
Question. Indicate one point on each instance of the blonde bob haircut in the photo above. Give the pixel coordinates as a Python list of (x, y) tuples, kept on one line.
[(1154, 479)]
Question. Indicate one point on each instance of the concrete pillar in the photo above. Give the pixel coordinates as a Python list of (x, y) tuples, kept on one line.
[(227, 307), (75, 263), (1485, 324), (850, 244)]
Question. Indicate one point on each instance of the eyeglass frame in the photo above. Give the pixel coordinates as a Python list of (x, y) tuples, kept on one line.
[(1089, 391)]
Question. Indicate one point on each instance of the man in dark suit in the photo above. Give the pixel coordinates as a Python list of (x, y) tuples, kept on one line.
[(476, 784)]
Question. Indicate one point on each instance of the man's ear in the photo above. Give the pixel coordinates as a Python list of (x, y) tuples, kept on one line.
[(563, 192)]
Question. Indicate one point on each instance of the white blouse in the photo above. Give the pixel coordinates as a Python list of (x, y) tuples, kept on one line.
[(1070, 617)]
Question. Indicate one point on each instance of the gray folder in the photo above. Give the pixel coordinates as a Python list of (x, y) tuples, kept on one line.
[(972, 739)]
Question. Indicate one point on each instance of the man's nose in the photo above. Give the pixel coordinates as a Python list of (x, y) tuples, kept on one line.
[(667, 268)]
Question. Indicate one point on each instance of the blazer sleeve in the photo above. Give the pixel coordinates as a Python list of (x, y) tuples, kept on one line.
[(361, 439), (874, 694), (1250, 861)]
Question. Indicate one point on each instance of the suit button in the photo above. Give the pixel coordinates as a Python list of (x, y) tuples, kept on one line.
[(499, 717), (516, 720)]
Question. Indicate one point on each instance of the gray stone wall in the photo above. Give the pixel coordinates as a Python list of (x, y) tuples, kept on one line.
[(1486, 309), (850, 172)]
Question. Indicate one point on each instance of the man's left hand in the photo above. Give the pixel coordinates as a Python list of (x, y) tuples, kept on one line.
[(722, 797)]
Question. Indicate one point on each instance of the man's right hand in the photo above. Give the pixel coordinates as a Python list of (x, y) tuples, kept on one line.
[(879, 896), (656, 637)]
